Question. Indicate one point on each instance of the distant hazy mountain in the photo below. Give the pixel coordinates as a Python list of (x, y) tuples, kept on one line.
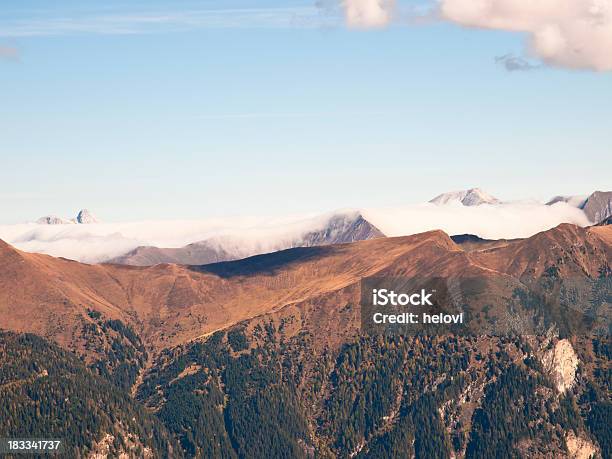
[(195, 242), (52, 220), (469, 242), (471, 197), (468, 239), (340, 228), (598, 206), (198, 253), (576, 201), (83, 217)]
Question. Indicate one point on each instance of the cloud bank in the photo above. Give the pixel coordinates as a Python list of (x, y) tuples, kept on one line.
[(568, 33), (489, 221), (99, 242), (249, 236)]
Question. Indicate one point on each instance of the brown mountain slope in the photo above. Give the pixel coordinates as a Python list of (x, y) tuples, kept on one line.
[(567, 248), (315, 288), (604, 232), (170, 304), (50, 296)]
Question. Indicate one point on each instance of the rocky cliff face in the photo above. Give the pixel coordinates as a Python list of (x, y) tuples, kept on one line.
[(561, 362), (580, 447), (598, 206)]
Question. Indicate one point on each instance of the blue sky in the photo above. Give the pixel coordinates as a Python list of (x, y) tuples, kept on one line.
[(181, 109)]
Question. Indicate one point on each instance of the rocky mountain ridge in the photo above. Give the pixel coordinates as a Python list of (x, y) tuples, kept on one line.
[(83, 217)]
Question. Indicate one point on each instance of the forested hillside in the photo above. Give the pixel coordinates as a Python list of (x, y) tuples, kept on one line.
[(376, 397), (47, 392)]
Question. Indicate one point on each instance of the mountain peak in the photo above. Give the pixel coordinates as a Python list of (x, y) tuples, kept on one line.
[(598, 206), (471, 197), (341, 228), (85, 217), (51, 220)]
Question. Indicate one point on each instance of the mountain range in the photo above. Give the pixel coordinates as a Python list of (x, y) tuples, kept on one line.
[(169, 304), (339, 228), (471, 211), (83, 217), (267, 355)]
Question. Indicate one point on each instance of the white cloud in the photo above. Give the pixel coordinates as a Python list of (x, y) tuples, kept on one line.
[(368, 13), (494, 221), (102, 241), (569, 33), (253, 235)]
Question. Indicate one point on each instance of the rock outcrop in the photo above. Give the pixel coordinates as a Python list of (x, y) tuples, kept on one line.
[(561, 362)]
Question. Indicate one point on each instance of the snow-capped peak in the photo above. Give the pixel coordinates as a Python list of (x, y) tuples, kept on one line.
[(85, 217), (471, 197)]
